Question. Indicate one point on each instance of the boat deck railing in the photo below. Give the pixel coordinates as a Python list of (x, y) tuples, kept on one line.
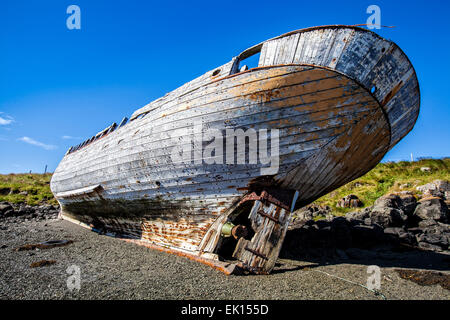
[(98, 136)]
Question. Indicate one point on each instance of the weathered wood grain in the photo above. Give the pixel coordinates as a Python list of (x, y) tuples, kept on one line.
[(340, 98)]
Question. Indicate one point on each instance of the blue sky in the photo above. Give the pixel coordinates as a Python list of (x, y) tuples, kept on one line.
[(60, 86)]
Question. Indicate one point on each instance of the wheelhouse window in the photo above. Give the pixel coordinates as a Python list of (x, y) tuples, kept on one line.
[(248, 59)]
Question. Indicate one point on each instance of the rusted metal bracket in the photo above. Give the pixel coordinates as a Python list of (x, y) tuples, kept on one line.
[(262, 213), (246, 266), (256, 253), (279, 198)]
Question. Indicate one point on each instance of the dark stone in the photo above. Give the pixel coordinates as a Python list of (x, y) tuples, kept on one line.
[(341, 229), (4, 191), (436, 239), (428, 246), (366, 236), (350, 201), (388, 217), (437, 188), (435, 234), (427, 223), (407, 203), (400, 235), (9, 213), (358, 215), (415, 230), (388, 201), (311, 211), (432, 208), (4, 207)]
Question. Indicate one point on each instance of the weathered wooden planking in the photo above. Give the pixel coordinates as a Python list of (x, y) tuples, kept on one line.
[(170, 176), (378, 64), (270, 223), (340, 97)]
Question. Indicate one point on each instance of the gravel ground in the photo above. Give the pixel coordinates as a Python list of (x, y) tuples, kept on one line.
[(114, 269)]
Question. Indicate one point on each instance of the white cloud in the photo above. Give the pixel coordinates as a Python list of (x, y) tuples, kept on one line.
[(70, 138), (4, 121), (37, 143)]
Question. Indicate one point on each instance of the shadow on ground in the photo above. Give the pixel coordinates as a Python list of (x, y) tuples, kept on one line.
[(335, 245)]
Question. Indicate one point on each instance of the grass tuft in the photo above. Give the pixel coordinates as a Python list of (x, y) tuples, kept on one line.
[(388, 178), (32, 189)]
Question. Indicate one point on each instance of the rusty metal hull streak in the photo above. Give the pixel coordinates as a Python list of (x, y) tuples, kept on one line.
[(340, 98)]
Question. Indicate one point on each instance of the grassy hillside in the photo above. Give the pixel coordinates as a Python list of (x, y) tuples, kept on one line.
[(27, 188), (386, 178)]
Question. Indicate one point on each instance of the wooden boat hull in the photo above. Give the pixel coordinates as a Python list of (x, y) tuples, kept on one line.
[(332, 127)]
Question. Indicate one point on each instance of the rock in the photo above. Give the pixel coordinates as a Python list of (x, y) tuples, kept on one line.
[(425, 169), (407, 203), (4, 191), (309, 239), (392, 210), (311, 211), (432, 208), (387, 201), (366, 236), (415, 230), (428, 246), (4, 207), (436, 188), (358, 215), (435, 234), (350, 201), (434, 239), (9, 213), (341, 232), (304, 215), (427, 223), (388, 217), (400, 235), (26, 212)]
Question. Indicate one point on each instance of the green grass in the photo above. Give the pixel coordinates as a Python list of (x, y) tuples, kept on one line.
[(37, 187), (387, 178)]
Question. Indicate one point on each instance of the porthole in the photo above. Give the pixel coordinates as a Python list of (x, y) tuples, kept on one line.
[(216, 72)]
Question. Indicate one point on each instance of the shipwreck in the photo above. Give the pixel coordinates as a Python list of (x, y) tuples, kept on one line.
[(214, 169)]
